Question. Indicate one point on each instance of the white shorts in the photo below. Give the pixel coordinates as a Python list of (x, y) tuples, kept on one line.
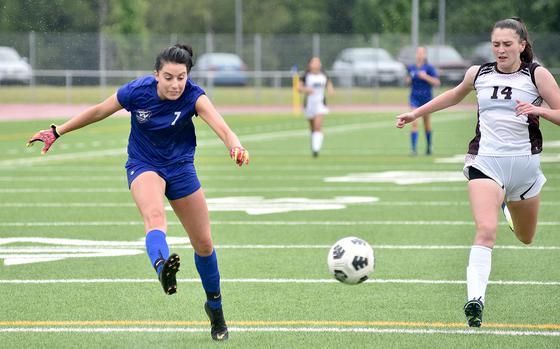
[(314, 109), (520, 176)]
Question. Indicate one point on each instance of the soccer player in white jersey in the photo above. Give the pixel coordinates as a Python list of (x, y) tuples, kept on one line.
[(503, 160), (314, 83)]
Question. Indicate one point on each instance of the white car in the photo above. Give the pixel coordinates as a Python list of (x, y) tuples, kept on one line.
[(363, 66), (13, 68)]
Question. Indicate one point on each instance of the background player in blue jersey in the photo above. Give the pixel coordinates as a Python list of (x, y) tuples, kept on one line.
[(161, 151), (422, 76)]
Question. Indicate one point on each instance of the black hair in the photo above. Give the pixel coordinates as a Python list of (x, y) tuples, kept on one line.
[(181, 54), (519, 27)]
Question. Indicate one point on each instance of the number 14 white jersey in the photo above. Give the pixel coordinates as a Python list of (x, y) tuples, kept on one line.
[(499, 131)]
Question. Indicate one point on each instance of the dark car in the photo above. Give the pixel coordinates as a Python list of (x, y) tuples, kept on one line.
[(450, 65), (220, 69), (13, 68)]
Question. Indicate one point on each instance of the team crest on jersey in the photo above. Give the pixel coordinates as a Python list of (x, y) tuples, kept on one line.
[(143, 115)]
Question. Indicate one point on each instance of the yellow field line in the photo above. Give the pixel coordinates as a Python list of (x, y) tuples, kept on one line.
[(276, 323)]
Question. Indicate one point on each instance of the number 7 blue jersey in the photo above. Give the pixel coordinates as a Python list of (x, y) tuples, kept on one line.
[(162, 131)]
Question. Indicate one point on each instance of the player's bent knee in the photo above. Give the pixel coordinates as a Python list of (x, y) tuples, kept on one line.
[(154, 218), (204, 249), (485, 238)]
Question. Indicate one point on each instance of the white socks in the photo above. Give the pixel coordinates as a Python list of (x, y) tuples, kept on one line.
[(478, 272), (316, 141)]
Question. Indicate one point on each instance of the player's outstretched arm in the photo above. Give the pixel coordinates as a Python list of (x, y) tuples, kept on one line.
[(88, 116), (205, 109), (444, 100)]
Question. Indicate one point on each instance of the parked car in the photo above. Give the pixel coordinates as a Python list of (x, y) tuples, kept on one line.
[(482, 53), (222, 68), (13, 68), (450, 65), (363, 66)]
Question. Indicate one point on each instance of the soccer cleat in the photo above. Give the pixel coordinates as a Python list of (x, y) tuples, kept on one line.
[(315, 154), (473, 312), (167, 274), (507, 215), (219, 329)]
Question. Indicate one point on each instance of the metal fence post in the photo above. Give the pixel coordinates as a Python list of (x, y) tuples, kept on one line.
[(102, 64), (32, 62), (68, 79), (316, 45), (375, 44), (258, 67)]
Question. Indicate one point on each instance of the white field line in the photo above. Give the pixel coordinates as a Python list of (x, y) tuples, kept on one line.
[(236, 329), (261, 168), (267, 136), (131, 204), (388, 188), (274, 281), (140, 244), (249, 222), (120, 178)]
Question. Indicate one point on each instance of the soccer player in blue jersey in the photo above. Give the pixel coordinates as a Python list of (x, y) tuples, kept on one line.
[(422, 76), (161, 149)]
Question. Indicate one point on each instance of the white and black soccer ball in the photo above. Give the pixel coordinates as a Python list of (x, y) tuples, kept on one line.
[(351, 260)]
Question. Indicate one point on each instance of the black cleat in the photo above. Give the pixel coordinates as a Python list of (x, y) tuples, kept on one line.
[(219, 329), (473, 312), (315, 154), (167, 275)]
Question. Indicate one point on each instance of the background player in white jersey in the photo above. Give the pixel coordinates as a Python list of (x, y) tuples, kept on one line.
[(503, 161), (314, 83)]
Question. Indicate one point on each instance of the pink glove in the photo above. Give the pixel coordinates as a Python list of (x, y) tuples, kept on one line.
[(46, 136), (240, 155)]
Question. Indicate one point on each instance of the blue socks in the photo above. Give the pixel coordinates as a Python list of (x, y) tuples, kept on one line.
[(157, 248), (414, 140), (429, 141), (210, 275)]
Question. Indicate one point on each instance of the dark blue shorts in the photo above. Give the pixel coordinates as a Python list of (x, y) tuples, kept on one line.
[(418, 101), (180, 178)]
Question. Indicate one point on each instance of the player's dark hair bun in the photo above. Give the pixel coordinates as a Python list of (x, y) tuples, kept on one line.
[(179, 53)]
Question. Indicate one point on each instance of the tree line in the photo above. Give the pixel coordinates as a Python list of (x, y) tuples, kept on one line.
[(269, 16)]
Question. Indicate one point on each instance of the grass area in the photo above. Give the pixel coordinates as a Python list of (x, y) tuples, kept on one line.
[(220, 95), (276, 286)]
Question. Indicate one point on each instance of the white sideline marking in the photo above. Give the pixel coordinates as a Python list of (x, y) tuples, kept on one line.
[(60, 249), (124, 189), (218, 222), (399, 177), (474, 332), (131, 204), (267, 136), (275, 281)]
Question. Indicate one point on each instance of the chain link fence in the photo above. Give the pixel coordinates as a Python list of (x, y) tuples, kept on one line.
[(100, 59)]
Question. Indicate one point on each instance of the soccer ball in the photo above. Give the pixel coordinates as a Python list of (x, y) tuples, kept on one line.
[(351, 260)]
